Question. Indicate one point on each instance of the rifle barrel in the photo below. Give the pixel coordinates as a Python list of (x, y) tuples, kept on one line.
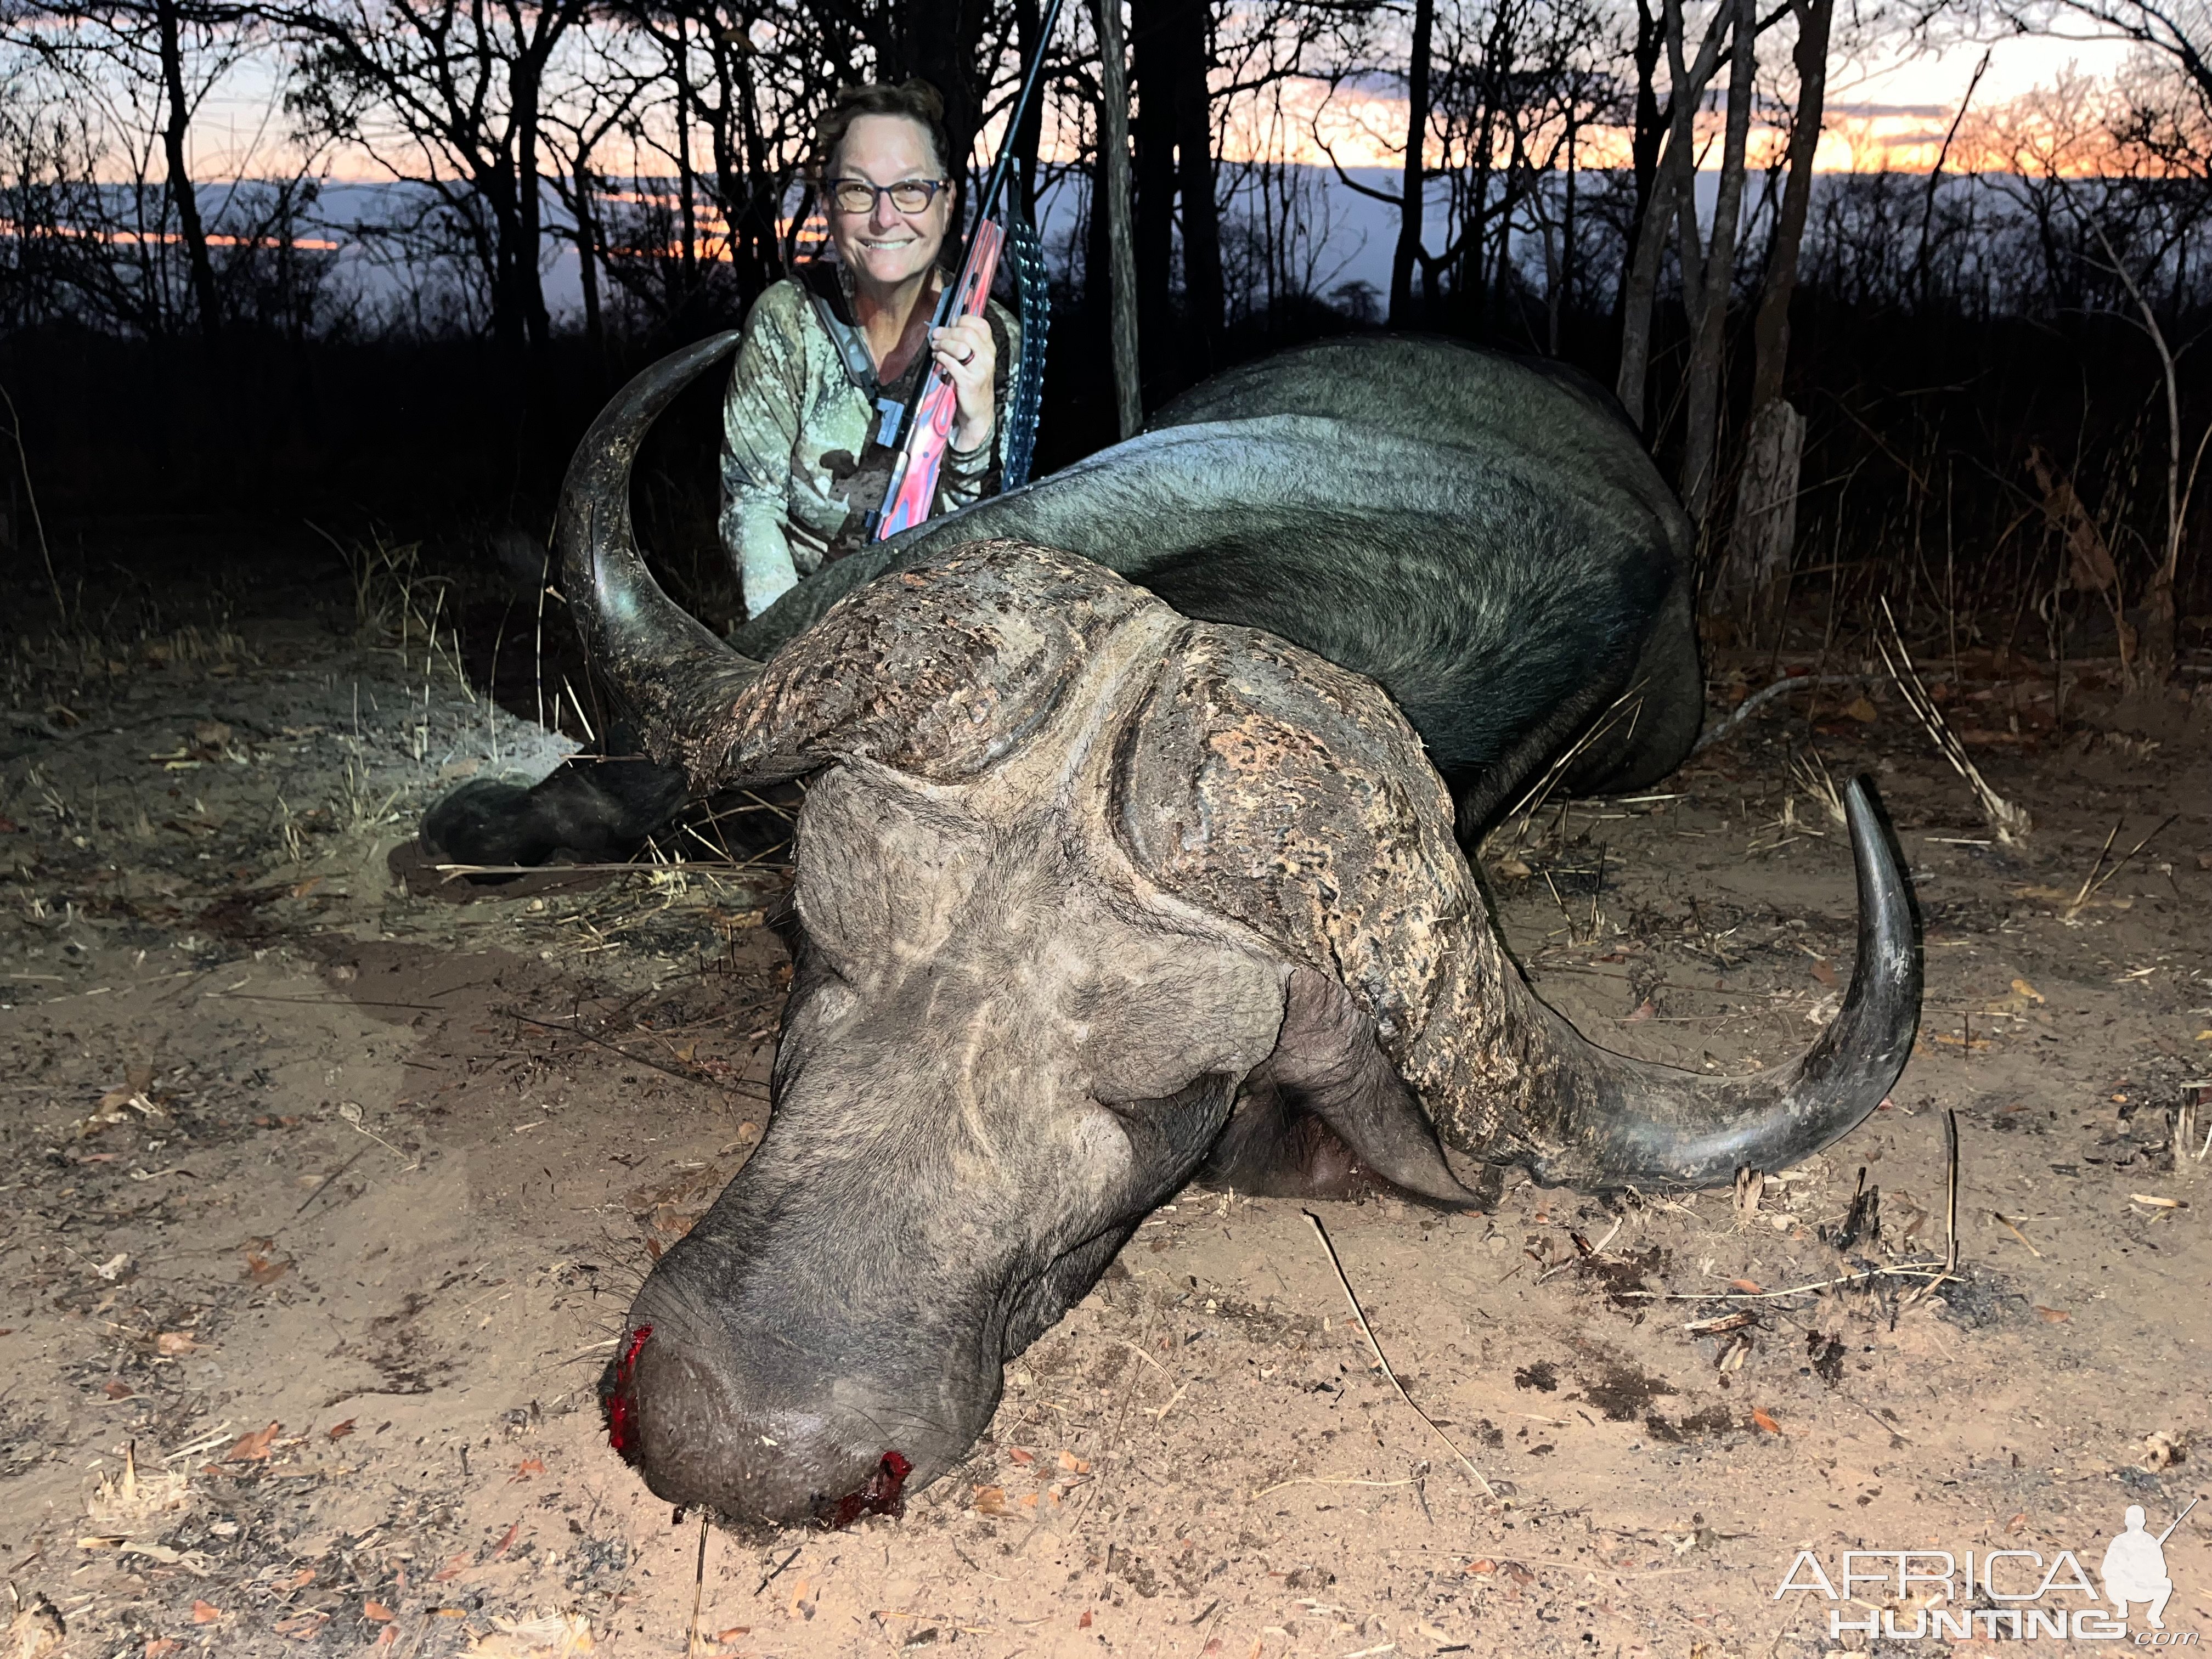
[(995, 181), (2178, 1519)]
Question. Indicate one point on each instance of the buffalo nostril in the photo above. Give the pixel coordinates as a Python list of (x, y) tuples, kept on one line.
[(882, 1493), (619, 1403)]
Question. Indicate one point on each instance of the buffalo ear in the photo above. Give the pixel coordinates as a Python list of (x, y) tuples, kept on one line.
[(1327, 1060)]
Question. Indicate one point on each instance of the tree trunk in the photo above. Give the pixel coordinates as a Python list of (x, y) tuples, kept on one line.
[(752, 199), (1113, 185), (1029, 21), (1766, 524), (1766, 527), (207, 301), (687, 210), (1771, 331), (1676, 174), (529, 289), (1643, 147), (587, 263), (1710, 312), (940, 40), (495, 187), (1203, 289), (1151, 65), (1414, 178)]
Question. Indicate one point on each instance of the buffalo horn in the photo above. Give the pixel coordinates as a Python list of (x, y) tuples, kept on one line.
[(678, 680), (1608, 1122)]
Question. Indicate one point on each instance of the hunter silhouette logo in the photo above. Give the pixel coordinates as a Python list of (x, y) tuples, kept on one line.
[(2135, 1567), (2022, 1595)]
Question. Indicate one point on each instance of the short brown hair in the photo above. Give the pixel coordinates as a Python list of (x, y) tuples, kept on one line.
[(914, 101)]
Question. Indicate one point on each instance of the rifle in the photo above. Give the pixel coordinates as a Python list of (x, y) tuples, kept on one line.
[(2177, 1519), (926, 421)]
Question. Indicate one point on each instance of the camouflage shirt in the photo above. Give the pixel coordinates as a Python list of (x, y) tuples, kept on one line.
[(802, 468)]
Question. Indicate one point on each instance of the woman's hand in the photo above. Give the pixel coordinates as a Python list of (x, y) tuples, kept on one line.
[(969, 358)]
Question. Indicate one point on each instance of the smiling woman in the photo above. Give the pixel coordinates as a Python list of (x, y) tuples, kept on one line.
[(831, 355)]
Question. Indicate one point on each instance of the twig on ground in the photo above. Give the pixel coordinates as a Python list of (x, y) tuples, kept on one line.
[(325, 1182), (1376, 1348), (2092, 884), (1758, 700), (351, 1113), (1950, 1206), (2012, 1227), (1896, 1270), (2009, 822), (776, 1569), (698, 1589), (659, 867), (1629, 703), (1326, 1480)]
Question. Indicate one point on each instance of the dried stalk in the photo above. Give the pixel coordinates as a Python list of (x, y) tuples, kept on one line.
[(2010, 822), (1368, 1331)]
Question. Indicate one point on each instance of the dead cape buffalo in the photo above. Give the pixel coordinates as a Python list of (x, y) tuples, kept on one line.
[(1094, 893)]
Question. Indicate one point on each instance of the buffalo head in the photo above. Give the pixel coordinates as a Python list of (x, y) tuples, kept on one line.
[(1085, 893)]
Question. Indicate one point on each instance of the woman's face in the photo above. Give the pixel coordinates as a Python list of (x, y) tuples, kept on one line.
[(883, 247)]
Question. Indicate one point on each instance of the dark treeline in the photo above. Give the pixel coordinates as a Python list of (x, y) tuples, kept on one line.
[(1971, 390)]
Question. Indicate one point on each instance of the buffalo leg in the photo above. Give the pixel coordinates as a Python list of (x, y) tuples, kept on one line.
[(597, 807)]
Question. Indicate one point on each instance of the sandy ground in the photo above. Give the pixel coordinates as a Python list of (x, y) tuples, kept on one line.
[(325, 1195)]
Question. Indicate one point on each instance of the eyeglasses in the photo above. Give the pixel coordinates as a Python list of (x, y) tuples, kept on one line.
[(907, 196)]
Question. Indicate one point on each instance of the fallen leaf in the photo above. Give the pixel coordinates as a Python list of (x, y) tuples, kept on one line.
[(339, 1430), (1645, 1010), (1749, 1286), (300, 888), (990, 1500), (1073, 1464), (507, 1543), (1761, 1419), (1021, 1456), (453, 1568), (2052, 1316), (117, 1390), (158, 1646), (557, 1636), (733, 1633), (202, 1613), (1824, 973), (265, 1270), (1863, 710), (252, 1448), (377, 1611), (1084, 1623), (1482, 1569), (301, 1579), (524, 1469)]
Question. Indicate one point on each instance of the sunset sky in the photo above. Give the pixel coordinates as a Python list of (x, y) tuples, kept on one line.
[(1888, 110)]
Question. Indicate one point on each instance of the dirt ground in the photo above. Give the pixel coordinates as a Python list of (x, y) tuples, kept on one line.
[(325, 1190)]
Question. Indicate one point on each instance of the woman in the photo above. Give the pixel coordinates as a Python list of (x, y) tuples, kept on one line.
[(830, 355)]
